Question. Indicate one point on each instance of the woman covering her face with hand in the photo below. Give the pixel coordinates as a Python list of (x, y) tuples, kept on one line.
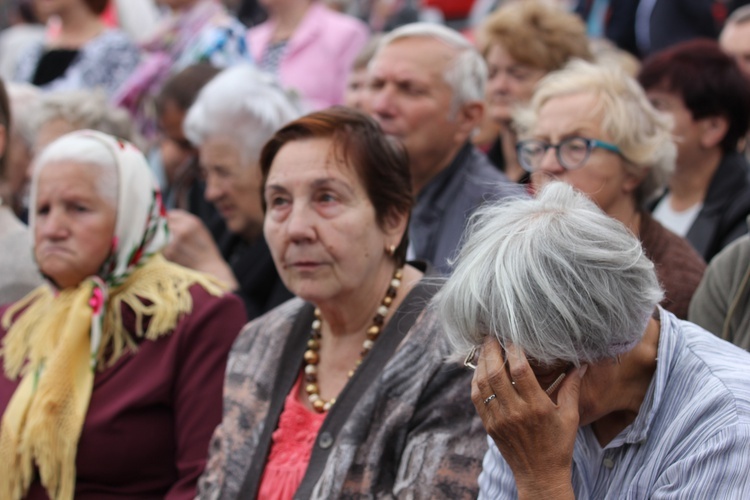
[(343, 391), (113, 369), (586, 388)]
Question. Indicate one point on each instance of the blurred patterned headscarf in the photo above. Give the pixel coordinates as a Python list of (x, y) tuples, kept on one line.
[(57, 339)]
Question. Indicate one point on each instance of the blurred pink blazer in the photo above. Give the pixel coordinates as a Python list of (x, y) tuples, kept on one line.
[(318, 56)]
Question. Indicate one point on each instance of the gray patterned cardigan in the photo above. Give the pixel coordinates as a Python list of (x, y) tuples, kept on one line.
[(412, 431)]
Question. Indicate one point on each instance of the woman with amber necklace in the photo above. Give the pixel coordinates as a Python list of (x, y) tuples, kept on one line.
[(343, 391)]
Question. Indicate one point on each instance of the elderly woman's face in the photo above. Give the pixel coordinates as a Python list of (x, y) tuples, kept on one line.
[(603, 176), (232, 186), (74, 225), (320, 223), (509, 83), (357, 92)]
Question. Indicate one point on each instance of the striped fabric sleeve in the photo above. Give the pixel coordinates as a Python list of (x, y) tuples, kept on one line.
[(717, 469), (496, 480)]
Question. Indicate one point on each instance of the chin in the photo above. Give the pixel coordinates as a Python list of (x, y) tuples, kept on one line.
[(310, 290), (233, 226), (501, 115)]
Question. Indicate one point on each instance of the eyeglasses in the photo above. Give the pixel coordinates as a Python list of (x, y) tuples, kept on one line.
[(571, 153), (473, 356)]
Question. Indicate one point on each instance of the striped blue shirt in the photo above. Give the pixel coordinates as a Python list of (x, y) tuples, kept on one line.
[(691, 438)]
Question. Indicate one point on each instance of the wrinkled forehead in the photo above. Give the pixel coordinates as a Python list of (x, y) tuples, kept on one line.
[(568, 114), (418, 57), (310, 160)]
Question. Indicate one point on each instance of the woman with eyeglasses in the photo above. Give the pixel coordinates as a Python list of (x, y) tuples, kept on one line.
[(586, 388), (593, 128), (521, 43)]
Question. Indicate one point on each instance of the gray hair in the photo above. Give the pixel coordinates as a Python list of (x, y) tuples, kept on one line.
[(643, 134), (82, 109), (741, 15), (76, 148), (23, 98), (243, 104), (466, 76), (554, 276)]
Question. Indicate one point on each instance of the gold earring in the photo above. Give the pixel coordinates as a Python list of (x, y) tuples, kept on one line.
[(390, 250)]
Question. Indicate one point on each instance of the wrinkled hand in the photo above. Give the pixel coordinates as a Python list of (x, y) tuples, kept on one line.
[(191, 245), (534, 434)]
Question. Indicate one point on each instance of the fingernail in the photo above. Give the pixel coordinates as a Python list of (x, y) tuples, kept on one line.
[(582, 370)]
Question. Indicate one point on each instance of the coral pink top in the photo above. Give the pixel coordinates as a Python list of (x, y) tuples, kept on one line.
[(291, 446)]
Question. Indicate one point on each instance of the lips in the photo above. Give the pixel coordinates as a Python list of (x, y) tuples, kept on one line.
[(501, 99), (225, 210), (304, 264), (53, 249), (388, 127)]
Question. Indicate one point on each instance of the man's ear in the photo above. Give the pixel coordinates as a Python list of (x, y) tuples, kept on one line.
[(713, 130), (468, 118)]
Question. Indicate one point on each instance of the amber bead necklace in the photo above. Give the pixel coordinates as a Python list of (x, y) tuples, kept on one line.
[(312, 357)]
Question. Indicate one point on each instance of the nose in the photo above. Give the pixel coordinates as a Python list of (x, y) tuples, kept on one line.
[(499, 82), (213, 190), (300, 224), (550, 163), (380, 102), (52, 225)]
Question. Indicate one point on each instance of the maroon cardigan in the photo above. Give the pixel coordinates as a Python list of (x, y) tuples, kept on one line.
[(152, 413), (678, 266)]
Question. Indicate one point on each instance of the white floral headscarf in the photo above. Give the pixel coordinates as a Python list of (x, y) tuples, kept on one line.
[(57, 338)]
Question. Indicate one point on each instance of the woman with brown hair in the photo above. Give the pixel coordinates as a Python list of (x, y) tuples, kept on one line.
[(344, 391), (522, 42)]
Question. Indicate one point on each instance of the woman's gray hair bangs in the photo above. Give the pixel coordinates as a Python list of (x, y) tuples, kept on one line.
[(82, 149), (244, 104), (553, 275), (82, 109), (643, 134)]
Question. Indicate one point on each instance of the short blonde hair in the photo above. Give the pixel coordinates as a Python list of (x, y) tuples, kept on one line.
[(642, 133), (536, 33)]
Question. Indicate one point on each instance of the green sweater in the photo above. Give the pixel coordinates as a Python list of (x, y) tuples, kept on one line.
[(722, 302)]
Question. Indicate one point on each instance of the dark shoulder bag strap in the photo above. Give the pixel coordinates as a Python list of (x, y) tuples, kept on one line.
[(286, 375), (368, 372)]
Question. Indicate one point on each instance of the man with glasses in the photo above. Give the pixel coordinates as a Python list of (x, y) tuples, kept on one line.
[(593, 128)]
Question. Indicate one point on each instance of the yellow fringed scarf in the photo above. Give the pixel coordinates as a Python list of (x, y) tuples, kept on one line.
[(49, 345)]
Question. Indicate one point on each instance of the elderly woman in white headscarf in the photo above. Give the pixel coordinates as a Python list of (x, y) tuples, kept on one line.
[(586, 387), (112, 371)]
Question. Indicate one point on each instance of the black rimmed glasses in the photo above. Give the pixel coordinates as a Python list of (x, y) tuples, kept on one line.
[(571, 153)]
